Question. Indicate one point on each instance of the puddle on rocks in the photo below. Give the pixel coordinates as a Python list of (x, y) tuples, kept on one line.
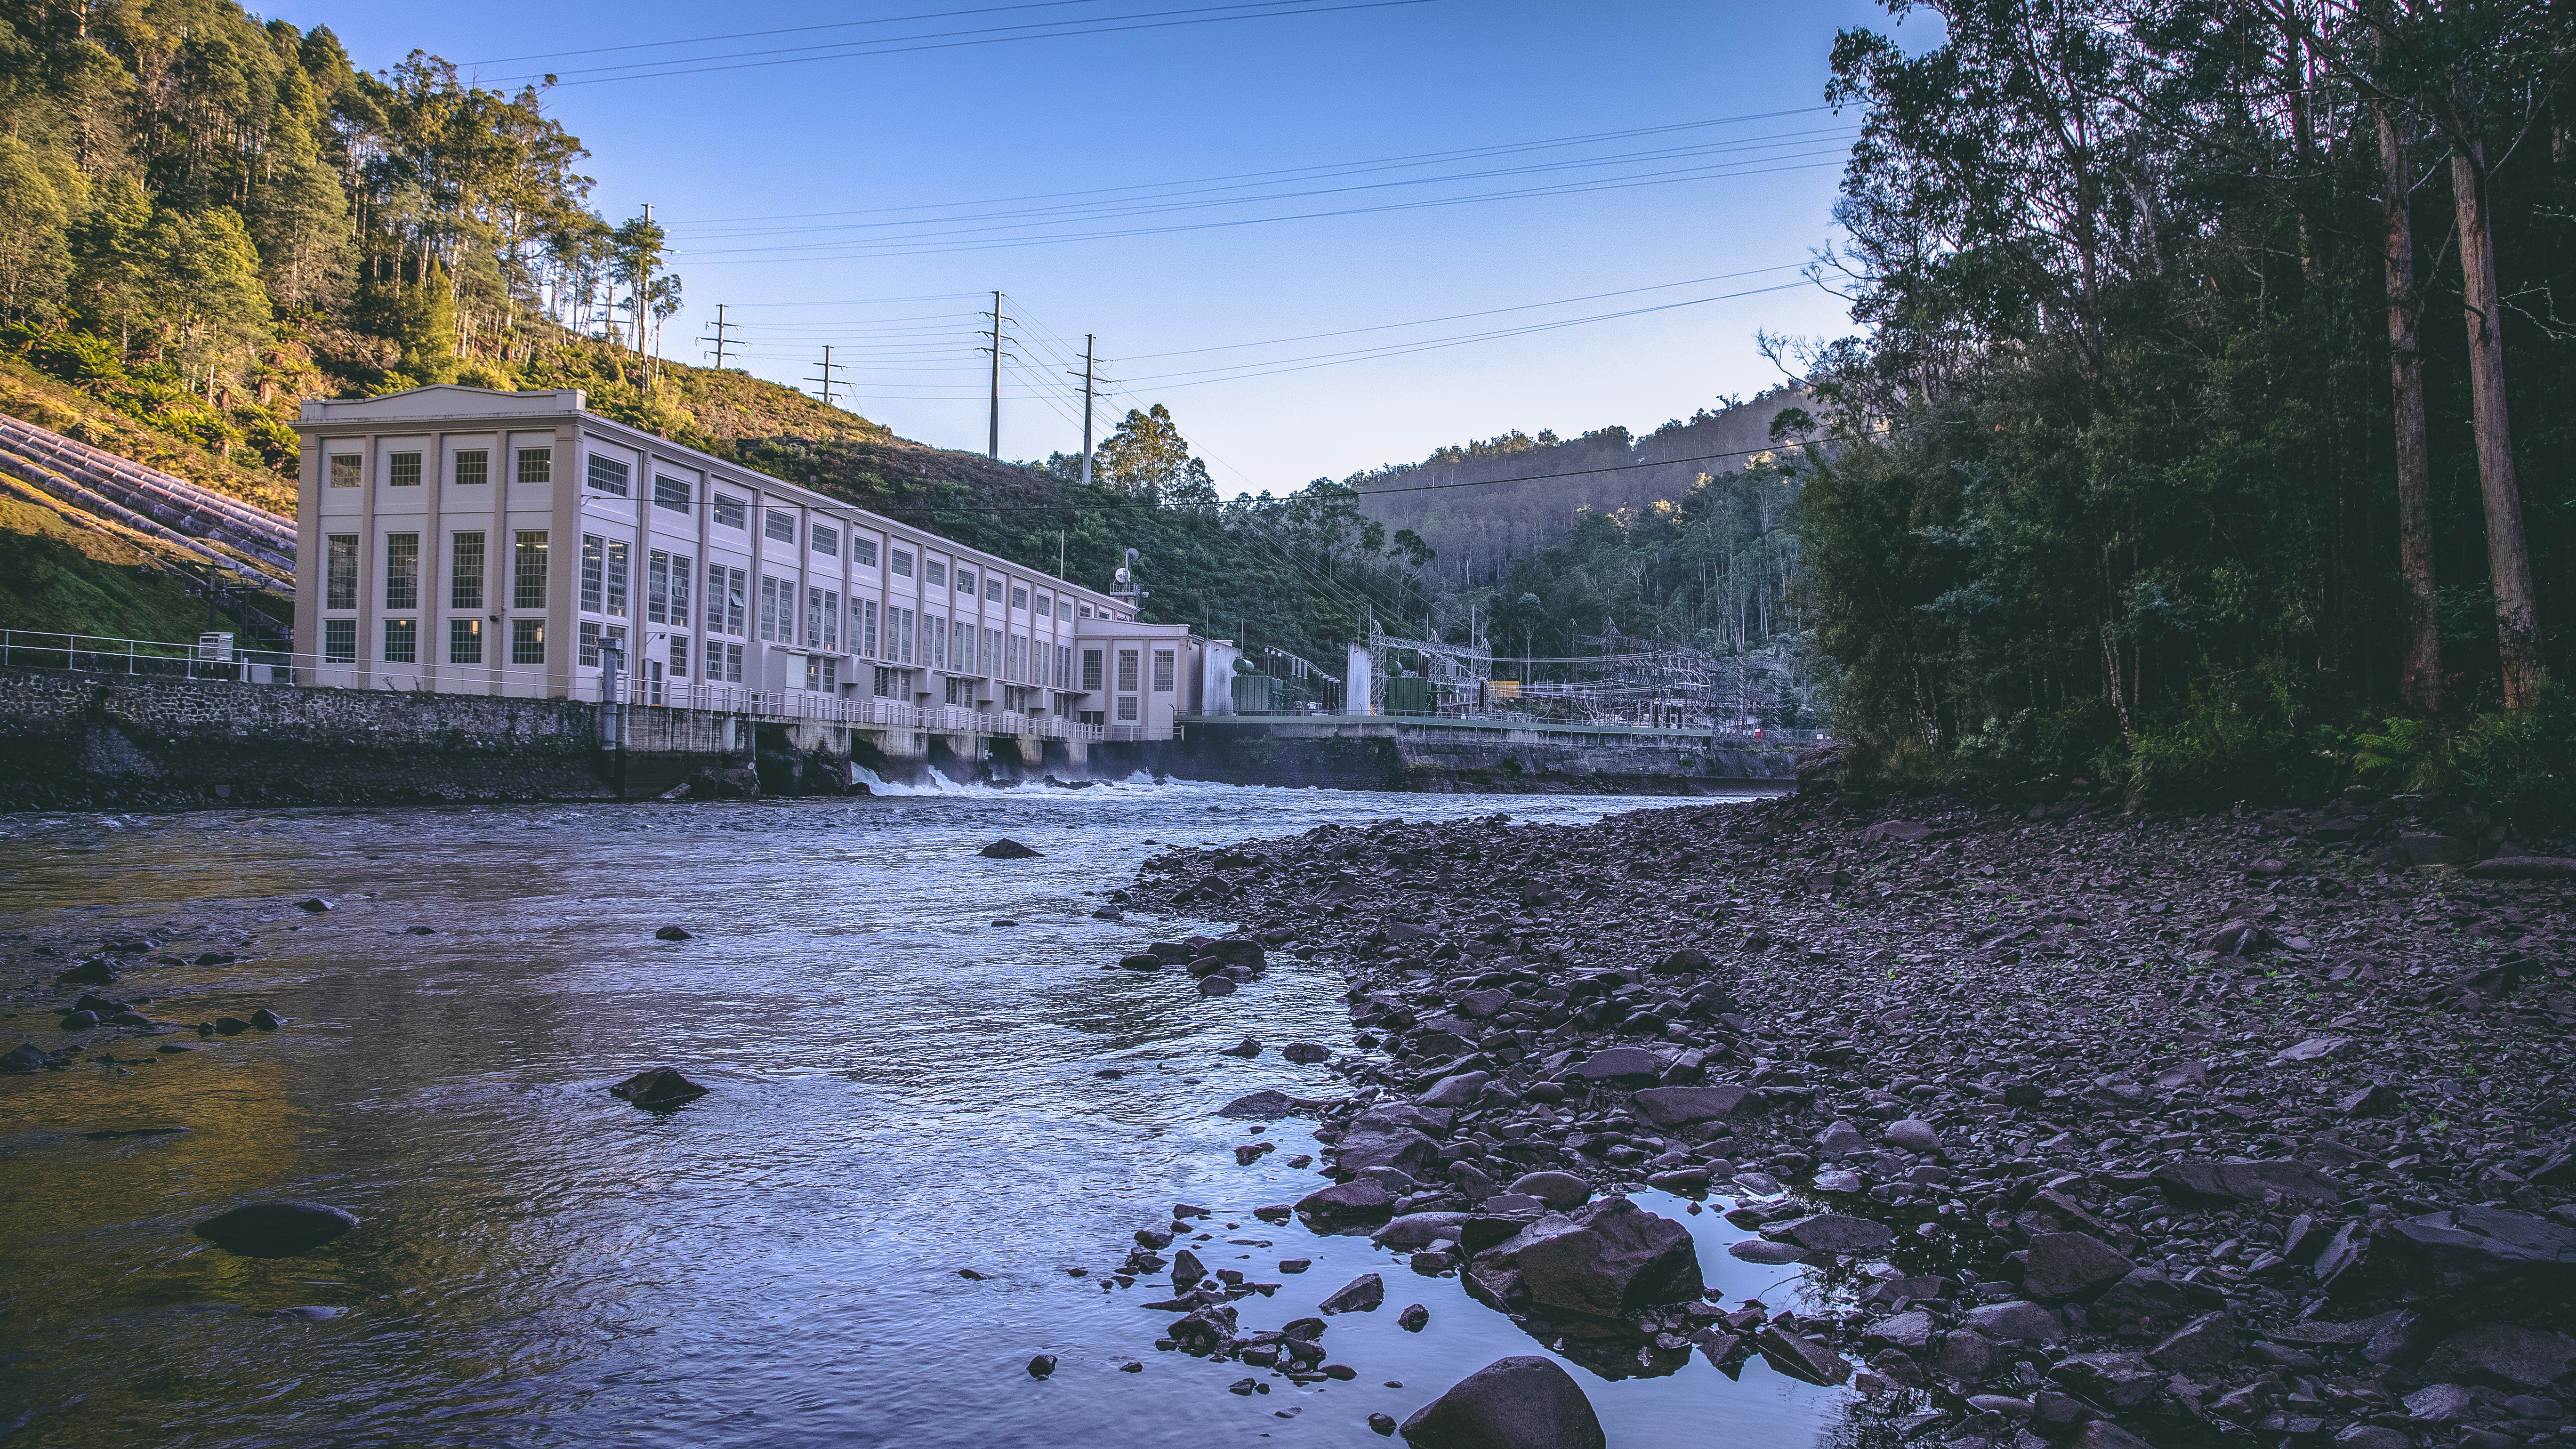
[(902, 1089)]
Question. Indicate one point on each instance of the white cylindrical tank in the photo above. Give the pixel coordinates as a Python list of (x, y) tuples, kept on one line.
[(1360, 685)]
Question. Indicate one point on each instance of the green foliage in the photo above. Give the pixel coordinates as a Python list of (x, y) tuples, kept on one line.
[(205, 197), (40, 192), (48, 584), (422, 321), (76, 356), (2418, 755), (2113, 491), (1146, 455), (2230, 738), (2528, 758)]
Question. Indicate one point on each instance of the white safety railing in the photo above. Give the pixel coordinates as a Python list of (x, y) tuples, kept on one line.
[(216, 660)]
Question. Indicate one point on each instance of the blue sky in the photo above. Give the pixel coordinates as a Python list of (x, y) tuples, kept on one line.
[(1132, 182)]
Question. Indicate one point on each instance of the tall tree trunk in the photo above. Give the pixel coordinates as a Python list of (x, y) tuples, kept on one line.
[(2508, 557), (2420, 678)]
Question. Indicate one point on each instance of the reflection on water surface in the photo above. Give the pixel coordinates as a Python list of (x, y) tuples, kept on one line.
[(902, 1090)]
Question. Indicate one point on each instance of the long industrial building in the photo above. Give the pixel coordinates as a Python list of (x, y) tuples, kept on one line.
[(461, 540)]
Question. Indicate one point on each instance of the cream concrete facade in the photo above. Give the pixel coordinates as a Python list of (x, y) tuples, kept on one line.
[(460, 540)]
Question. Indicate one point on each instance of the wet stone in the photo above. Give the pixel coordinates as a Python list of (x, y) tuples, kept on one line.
[(1362, 1294), (654, 1087), (284, 1223), (2018, 1321), (1524, 1402)]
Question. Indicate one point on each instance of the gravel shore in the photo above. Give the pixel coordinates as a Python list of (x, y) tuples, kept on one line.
[(2103, 1127)]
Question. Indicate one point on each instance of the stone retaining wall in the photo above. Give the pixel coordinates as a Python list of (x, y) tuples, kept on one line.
[(84, 741), (70, 740)]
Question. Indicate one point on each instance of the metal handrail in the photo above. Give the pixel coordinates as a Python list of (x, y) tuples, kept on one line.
[(162, 659)]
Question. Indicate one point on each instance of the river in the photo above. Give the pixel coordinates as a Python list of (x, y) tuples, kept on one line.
[(905, 1085)]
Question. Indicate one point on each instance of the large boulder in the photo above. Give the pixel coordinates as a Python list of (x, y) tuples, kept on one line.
[(1360, 1295), (2117, 1380), (2017, 1321), (1524, 1402), (1632, 1066), (1383, 1144), (1560, 1190), (2145, 1303), (1604, 1260), (1801, 1357), (2071, 1265), (1457, 1091), (1365, 1199), (2468, 1263), (1682, 1106), (1833, 1233), (2524, 867), (2499, 1353), (2224, 1182), (2198, 1348), (283, 1225), (1267, 1105)]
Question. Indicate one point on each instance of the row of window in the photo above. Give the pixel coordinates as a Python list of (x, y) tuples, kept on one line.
[(473, 468), (464, 641), (606, 570), (723, 659), (465, 571)]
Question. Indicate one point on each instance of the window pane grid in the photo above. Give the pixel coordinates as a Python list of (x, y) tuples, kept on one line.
[(464, 641), (465, 572), (402, 641), (402, 570), (340, 584), (528, 578)]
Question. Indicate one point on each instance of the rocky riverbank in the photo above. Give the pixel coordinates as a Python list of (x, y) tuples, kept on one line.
[(2099, 1127)]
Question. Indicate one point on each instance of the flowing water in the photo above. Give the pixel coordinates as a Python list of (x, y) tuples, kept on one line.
[(905, 1085)]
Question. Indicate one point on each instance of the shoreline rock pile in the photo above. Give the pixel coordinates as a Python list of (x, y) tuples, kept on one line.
[(2112, 1127)]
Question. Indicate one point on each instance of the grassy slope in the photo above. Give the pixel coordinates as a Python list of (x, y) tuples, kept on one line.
[(30, 395), (58, 577)]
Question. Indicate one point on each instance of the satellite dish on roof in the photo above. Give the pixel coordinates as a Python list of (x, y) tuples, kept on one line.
[(1122, 576)]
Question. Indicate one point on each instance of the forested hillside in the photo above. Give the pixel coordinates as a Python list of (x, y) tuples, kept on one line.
[(1469, 503), (205, 220), (2224, 380)]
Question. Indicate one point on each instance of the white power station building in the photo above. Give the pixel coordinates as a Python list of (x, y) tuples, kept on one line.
[(465, 541)]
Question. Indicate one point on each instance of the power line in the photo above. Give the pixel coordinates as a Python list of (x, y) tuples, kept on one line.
[(790, 30), (1462, 316), (942, 41), (1327, 168), (1406, 349), (939, 244), (867, 301), (1174, 199)]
